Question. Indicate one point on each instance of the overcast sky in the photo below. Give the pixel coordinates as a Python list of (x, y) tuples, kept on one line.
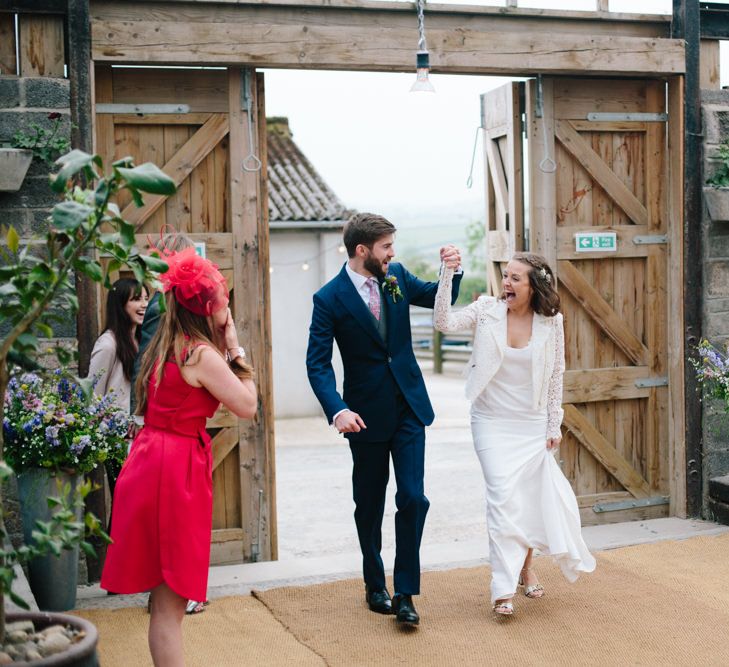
[(384, 149)]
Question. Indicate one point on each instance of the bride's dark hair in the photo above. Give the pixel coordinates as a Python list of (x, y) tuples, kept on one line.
[(545, 299)]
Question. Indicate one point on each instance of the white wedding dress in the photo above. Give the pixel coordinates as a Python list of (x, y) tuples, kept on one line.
[(530, 503)]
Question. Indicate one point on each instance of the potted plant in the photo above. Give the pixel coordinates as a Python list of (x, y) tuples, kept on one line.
[(31, 281), (44, 144), (55, 432), (717, 194)]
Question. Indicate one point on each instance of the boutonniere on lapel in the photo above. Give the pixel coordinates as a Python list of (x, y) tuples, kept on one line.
[(389, 284)]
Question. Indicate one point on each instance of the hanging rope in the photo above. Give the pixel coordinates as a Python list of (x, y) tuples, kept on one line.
[(420, 4), (469, 180)]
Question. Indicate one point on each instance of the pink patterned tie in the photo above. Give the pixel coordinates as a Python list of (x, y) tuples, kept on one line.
[(374, 302)]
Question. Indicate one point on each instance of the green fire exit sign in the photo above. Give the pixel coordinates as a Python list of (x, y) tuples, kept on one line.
[(596, 242)]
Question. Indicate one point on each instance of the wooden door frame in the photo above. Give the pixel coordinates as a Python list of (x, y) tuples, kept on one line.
[(667, 59)]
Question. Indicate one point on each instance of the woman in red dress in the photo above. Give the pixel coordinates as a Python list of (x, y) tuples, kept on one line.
[(162, 515)]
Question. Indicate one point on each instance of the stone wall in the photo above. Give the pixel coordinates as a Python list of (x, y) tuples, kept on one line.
[(26, 100), (715, 324)]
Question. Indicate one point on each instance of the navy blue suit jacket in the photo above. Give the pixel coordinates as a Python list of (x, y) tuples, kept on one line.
[(374, 370)]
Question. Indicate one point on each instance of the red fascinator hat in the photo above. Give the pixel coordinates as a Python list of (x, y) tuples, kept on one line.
[(199, 286)]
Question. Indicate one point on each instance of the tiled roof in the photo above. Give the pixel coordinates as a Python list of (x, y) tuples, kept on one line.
[(296, 191)]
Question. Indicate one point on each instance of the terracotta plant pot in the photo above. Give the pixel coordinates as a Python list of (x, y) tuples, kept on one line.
[(717, 201), (14, 163), (81, 654)]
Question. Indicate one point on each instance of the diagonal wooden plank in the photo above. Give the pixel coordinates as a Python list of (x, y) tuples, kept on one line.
[(223, 443), (593, 163), (604, 452), (496, 167), (181, 165), (601, 311)]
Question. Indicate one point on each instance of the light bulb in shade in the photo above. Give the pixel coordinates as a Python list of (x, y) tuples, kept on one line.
[(422, 82), (341, 249), (305, 266), (270, 269)]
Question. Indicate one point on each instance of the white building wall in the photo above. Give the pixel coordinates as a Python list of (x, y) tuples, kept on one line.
[(292, 289)]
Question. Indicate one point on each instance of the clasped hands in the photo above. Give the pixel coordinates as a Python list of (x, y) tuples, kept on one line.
[(450, 256)]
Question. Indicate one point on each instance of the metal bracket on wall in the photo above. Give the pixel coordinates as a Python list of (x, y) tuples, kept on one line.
[(633, 117), (655, 239), (143, 109), (652, 382), (633, 503)]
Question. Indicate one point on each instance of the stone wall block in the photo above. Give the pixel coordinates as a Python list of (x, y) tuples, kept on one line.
[(716, 123), (717, 278), (47, 92), (35, 193), (13, 120), (716, 327), (717, 305), (10, 92)]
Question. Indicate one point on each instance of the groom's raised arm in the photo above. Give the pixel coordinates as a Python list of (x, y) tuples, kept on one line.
[(421, 293), (319, 360)]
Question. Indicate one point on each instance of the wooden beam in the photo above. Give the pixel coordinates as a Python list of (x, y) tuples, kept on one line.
[(379, 47), (197, 147), (710, 63), (543, 200), (601, 172), (41, 45), (222, 418), (222, 444), (677, 390), (604, 452), (8, 61), (605, 384), (498, 176), (160, 119), (601, 311), (218, 247)]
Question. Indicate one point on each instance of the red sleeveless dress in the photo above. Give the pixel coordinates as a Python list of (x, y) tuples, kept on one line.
[(163, 500)]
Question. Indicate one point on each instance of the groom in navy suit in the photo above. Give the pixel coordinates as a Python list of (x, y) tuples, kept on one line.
[(385, 407)]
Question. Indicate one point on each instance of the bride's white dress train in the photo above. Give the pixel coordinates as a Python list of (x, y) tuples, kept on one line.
[(530, 503)]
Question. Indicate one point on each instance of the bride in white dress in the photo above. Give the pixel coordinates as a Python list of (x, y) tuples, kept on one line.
[(515, 388)]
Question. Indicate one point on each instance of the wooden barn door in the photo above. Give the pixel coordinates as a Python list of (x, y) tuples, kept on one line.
[(194, 125), (598, 212), (501, 114)]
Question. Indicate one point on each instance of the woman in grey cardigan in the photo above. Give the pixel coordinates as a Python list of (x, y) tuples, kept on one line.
[(515, 386)]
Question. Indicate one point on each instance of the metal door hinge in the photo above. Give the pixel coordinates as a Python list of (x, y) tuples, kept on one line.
[(651, 239), (634, 117), (633, 503), (652, 382)]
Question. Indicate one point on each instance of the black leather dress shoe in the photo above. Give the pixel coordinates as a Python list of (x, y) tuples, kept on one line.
[(403, 607), (378, 601)]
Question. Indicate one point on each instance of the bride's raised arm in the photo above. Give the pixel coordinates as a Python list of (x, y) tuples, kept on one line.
[(443, 318)]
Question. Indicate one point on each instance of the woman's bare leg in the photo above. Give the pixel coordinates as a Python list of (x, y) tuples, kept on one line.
[(165, 627)]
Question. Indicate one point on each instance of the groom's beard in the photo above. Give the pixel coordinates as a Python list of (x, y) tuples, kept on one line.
[(375, 268)]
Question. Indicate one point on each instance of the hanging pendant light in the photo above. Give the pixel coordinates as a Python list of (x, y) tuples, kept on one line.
[(422, 57)]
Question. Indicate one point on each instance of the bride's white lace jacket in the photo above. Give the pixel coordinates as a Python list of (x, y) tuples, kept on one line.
[(487, 317)]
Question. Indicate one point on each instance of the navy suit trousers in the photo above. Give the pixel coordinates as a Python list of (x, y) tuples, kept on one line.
[(370, 474)]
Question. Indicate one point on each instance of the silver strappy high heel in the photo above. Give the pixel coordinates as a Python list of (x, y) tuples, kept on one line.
[(533, 591)]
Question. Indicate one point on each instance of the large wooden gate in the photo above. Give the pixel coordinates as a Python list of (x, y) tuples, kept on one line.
[(597, 164), (194, 124)]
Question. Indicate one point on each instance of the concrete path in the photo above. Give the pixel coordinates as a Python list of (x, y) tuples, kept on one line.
[(317, 537)]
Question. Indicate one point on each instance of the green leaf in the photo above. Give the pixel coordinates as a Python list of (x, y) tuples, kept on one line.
[(41, 273), (148, 177), (89, 267), (126, 231), (70, 215), (13, 239), (44, 329), (27, 340), (72, 163), (18, 600), (154, 263)]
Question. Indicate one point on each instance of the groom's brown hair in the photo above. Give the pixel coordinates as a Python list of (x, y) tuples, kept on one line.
[(365, 229)]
